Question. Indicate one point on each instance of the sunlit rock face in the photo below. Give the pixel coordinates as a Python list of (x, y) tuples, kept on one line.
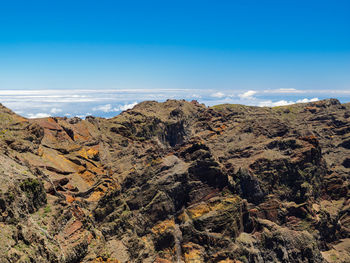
[(178, 182)]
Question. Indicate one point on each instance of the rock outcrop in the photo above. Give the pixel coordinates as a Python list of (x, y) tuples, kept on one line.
[(178, 182)]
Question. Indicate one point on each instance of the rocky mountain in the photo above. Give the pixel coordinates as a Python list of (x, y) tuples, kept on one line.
[(178, 182)]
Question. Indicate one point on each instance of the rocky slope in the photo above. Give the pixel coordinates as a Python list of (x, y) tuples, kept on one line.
[(178, 182)]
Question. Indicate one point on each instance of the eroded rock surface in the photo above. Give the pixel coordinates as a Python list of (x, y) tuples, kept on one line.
[(178, 182)]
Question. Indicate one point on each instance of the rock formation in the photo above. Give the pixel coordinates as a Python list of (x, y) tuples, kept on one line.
[(178, 182)]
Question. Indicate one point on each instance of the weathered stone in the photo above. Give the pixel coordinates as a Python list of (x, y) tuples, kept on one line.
[(177, 182)]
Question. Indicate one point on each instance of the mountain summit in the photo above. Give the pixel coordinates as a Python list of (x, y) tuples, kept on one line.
[(178, 182)]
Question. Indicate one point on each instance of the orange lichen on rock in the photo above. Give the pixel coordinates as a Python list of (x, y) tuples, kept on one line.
[(69, 198), (193, 253), (89, 153), (214, 203), (94, 169), (83, 153), (163, 226), (89, 177), (162, 260), (93, 152), (229, 261), (198, 210), (95, 196), (183, 217)]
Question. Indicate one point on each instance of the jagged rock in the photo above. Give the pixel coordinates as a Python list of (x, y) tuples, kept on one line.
[(178, 182)]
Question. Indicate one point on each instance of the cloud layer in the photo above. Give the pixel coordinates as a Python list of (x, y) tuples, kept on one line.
[(109, 102)]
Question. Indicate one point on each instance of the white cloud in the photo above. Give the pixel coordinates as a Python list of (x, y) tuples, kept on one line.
[(83, 116), (287, 89), (104, 108), (108, 107), (218, 95), (307, 100), (284, 90), (55, 110), (127, 106), (37, 115), (248, 94), (270, 103)]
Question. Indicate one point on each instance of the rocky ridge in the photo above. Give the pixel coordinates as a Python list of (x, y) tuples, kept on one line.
[(178, 182)]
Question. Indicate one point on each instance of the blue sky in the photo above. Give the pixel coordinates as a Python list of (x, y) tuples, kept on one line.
[(100, 57)]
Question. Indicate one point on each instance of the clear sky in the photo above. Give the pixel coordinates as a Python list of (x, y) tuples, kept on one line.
[(277, 52)]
